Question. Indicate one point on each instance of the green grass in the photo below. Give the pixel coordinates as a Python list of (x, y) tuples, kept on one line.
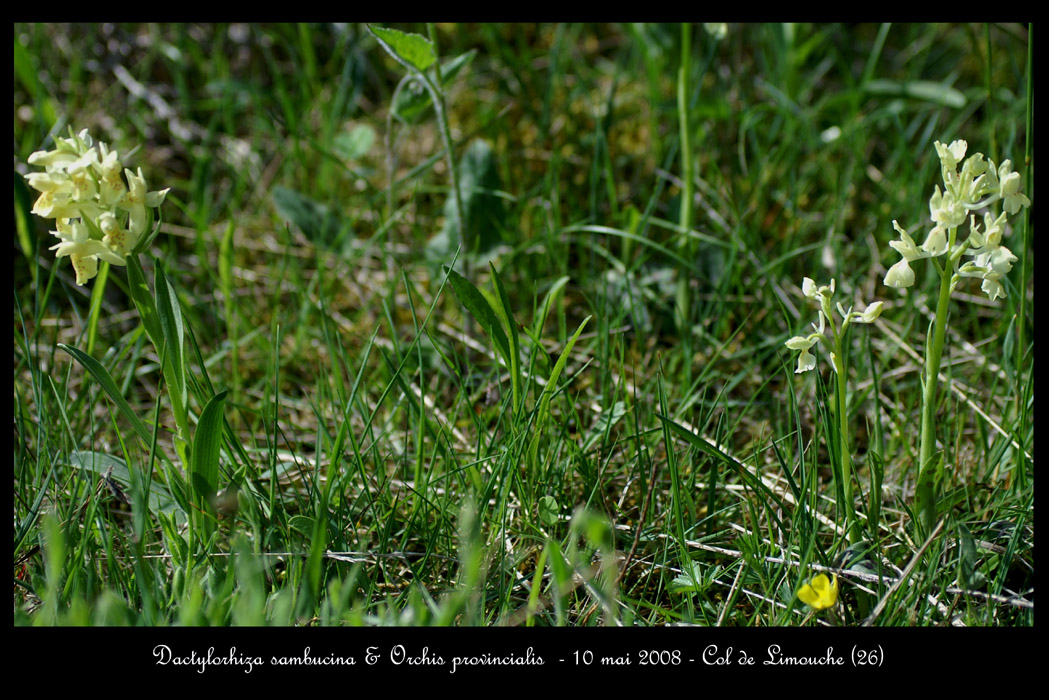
[(387, 464)]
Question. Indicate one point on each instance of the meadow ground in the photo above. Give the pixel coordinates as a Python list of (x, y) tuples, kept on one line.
[(576, 408)]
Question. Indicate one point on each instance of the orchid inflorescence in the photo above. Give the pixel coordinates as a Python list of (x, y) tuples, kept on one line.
[(979, 185), (98, 216), (833, 336), (823, 295)]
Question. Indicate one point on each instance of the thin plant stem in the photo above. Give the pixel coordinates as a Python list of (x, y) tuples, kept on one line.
[(926, 489), (437, 96), (1028, 173), (851, 525), (436, 92), (684, 298)]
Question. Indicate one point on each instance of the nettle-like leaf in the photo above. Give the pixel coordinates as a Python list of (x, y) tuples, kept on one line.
[(412, 49)]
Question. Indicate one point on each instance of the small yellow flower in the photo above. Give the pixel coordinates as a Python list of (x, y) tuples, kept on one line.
[(819, 593)]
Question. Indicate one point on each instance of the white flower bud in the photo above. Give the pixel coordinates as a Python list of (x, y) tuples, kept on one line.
[(809, 289), (951, 155), (872, 312)]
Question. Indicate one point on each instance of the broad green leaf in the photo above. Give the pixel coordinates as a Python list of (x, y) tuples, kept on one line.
[(206, 444), (1009, 349), (34, 510), (413, 49), (452, 67), (147, 308), (109, 386), (595, 528), (160, 499), (318, 546), (98, 291), (483, 208), (561, 583), (555, 374), (537, 578), (302, 524), (470, 297), (876, 467), (169, 313)]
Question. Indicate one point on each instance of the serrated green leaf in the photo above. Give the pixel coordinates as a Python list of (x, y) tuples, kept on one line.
[(413, 49), (689, 583)]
